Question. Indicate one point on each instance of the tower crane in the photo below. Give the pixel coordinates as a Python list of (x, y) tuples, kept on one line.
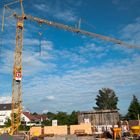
[(17, 68)]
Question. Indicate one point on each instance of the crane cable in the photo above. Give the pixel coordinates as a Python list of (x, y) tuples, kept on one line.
[(40, 41), (89, 24)]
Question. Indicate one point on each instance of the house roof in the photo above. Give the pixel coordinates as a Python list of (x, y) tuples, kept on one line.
[(30, 116), (7, 106), (41, 117), (34, 117)]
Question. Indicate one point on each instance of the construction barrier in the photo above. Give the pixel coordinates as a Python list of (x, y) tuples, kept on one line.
[(55, 130), (35, 131), (81, 129)]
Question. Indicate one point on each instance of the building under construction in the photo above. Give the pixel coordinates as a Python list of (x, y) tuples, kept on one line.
[(106, 117), (99, 117)]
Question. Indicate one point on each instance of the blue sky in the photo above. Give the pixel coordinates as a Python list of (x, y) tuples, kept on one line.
[(71, 68)]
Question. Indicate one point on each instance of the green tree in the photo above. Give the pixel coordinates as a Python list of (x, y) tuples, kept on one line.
[(7, 123), (62, 118), (134, 109), (73, 118), (34, 113), (50, 115), (47, 123), (106, 99), (24, 128)]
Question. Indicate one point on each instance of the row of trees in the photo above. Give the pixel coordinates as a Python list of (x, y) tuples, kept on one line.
[(107, 99), (62, 117)]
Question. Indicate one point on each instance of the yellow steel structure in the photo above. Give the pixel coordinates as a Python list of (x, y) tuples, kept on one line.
[(17, 76), (17, 79), (17, 68), (17, 72)]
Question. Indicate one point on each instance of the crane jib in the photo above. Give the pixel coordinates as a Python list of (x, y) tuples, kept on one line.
[(75, 30)]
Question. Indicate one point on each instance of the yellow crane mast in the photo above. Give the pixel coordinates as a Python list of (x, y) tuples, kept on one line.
[(17, 76), (17, 68), (17, 79)]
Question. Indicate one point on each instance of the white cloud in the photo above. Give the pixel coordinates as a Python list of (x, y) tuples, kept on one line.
[(125, 5), (25, 109), (131, 32), (47, 45), (41, 7), (32, 61), (92, 50), (50, 97), (70, 56), (5, 99), (45, 111), (66, 14), (77, 88)]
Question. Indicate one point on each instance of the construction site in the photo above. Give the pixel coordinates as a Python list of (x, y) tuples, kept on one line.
[(104, 123)]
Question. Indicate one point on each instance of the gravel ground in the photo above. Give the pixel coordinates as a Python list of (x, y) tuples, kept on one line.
[(8, 137)]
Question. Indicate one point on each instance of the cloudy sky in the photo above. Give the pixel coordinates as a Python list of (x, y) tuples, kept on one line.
[(70, 68)]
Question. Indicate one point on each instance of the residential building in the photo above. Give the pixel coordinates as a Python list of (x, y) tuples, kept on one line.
[(32, 120), (5, 113), (29, 120), (26, 117)]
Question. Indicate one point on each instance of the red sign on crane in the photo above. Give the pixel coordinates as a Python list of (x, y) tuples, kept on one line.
[(18, 74)]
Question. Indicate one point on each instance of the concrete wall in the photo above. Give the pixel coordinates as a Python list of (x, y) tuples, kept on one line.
[(85, 127), (56, 130), (35, 131), (60, 130)]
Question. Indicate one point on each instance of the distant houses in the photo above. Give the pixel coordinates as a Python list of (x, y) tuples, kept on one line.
[(5, 113), (32, 120), (26, 117)]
